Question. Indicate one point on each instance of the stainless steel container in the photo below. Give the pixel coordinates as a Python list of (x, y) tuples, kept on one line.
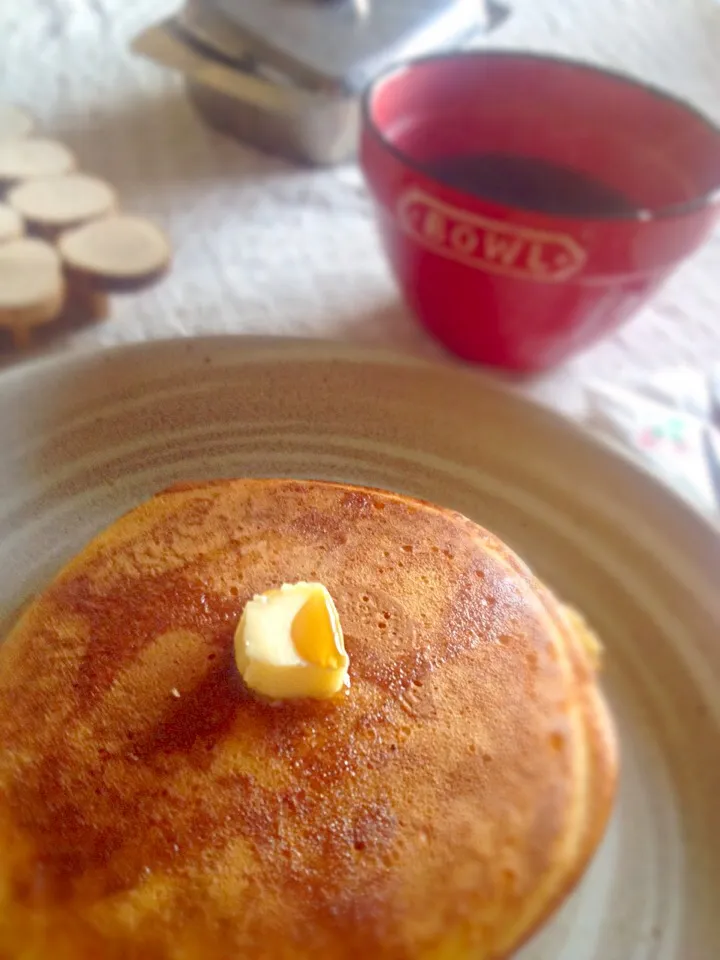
[(285, 75)]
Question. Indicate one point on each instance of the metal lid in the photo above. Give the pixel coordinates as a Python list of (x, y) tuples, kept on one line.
[(332, 43)]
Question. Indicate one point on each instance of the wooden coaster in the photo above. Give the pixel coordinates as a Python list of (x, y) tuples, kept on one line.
[(15, 123), (80, 248), (83, 301), (31, 158), (11, 224), (118, 252), (52, 204), (32, 287)]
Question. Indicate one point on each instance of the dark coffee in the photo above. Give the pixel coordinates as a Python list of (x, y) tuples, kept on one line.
[(531, 184)]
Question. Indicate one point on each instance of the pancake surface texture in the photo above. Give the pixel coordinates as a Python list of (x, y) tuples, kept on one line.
[(151, 808)]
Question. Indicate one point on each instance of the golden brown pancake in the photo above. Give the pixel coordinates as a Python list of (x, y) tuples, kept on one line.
[(152, 808)]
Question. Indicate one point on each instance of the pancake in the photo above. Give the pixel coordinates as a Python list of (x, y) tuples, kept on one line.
[(152, 808)]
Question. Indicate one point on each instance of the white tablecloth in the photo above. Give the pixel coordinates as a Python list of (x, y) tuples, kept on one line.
[(263, 247)]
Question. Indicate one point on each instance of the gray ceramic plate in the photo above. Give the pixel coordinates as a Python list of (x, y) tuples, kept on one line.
[(85, 438)]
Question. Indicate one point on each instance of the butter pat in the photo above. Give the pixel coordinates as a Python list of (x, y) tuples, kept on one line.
[(289, 643)]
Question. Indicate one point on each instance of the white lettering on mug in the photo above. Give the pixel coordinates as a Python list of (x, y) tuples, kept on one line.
[(503, 249), (486, 244), (434, 226), (464, 238)]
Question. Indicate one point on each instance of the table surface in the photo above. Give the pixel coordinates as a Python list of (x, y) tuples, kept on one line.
[(263, 247)]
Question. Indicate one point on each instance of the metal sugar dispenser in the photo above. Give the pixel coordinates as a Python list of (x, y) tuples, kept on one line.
[(285, 75)]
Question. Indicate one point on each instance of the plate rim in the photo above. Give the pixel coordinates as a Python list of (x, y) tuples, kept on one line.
[(497, 383)]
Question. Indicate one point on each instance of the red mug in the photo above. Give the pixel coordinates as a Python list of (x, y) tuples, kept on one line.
[(504, 284)]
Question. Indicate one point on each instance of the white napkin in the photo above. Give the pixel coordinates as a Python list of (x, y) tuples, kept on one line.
[(671, 422)]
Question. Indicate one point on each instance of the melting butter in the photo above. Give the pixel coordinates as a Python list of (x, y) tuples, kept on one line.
[(289, 643)]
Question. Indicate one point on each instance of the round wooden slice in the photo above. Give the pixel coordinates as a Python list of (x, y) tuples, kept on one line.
[(32, 287), (11, 224), (61, 202), (83, 301), (117, 252), (15, 123), (30, 159)]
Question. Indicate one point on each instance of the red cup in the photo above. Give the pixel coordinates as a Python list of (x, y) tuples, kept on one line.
[(507, 285)]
